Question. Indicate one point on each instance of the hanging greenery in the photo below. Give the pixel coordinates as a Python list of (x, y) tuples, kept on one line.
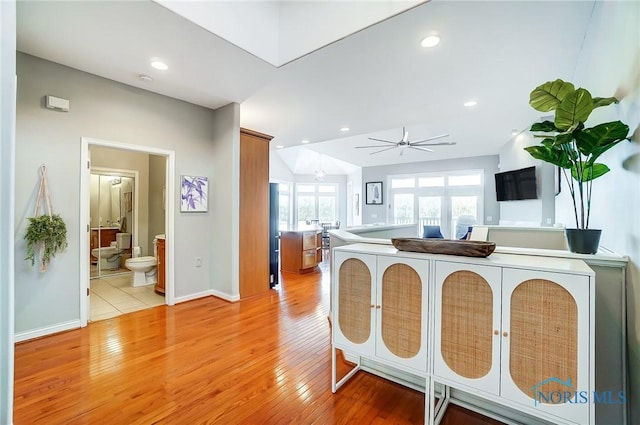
[(46, 234)]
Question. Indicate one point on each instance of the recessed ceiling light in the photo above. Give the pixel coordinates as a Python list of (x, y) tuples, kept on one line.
[(159, 65), (145, 77), (430, 41), (304, 141), (344, 129), (470, 103), (279, 146), (514, 132)]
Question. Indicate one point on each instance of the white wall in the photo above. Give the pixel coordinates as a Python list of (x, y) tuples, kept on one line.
[(530, 212), (104, 109), (354, 193), (7, 146), (278, 170), (608, 65)]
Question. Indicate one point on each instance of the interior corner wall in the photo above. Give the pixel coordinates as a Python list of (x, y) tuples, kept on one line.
[(488, 163), (7, 169), (224, 203), (278, 170), (106, 110), (529, 212), (610, 64)]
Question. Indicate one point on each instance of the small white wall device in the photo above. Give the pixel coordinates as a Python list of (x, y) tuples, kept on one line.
[(56, 103)]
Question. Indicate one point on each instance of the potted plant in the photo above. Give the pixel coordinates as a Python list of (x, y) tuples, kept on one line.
[(567, 143), (48, 235)]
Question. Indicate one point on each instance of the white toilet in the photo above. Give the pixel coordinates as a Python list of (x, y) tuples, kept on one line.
[(143, 268), (110, 255)]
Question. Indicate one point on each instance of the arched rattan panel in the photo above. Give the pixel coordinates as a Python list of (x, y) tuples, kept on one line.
[(466, 324), (354, 298)]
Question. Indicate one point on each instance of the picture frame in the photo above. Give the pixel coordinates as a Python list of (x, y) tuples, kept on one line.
[(194, 194), (373, 195)]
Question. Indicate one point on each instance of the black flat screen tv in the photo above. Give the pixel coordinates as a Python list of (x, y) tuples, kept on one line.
[(516, 185)]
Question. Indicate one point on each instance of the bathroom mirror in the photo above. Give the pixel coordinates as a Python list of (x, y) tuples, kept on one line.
[(111, 213)]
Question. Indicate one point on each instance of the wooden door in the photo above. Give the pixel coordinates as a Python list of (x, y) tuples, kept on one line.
[(353, 302), (402, 311), (160, 283), (254, 213), (545, 341), (467, 326)]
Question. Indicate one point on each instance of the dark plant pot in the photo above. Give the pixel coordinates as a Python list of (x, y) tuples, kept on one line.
[(583, 241)]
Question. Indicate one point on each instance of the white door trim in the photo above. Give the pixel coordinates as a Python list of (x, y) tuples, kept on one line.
[(85, 172)]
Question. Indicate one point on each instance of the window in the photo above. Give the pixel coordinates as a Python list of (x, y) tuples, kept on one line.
[(452, 200), (316, 201), (284, 205)]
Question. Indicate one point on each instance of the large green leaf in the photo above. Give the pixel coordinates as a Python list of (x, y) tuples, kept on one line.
[(545, 127), (548, 96), (603, 101), (548, 153), (574, 109), (563, 138), (589, 171), (602, 137)]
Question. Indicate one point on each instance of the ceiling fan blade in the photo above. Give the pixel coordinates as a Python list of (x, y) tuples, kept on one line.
[(405, 134), (420, 149), (430, 138), (372, 146), (434, 144), (385, 149), (380, 140)]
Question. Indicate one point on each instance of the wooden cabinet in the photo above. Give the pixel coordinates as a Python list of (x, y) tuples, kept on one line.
[(380, 310), (522, 335), (162, 268), (254, 213), (300, 251)]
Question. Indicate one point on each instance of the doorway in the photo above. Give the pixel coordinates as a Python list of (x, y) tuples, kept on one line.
[(129, 216)]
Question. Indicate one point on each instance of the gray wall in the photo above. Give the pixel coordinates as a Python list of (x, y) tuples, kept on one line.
[(157, 179), (204, 142), (7, 145), (489, 163)]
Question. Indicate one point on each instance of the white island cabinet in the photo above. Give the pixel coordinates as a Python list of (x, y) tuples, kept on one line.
[(509, 329)]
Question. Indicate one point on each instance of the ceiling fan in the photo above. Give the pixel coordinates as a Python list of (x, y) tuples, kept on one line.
[(405, 143)]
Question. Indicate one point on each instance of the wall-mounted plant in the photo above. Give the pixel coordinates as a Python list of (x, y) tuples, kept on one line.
[(46, 233)]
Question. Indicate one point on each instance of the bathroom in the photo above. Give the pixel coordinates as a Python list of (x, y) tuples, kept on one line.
[(127, 219)]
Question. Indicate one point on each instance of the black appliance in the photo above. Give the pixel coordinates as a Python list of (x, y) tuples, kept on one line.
[(516, 185), (274, 235)]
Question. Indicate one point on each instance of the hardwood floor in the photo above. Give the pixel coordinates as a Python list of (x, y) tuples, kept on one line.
[(264, 360)]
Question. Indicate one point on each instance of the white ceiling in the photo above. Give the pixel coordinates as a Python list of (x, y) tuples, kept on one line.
[(374, 81)]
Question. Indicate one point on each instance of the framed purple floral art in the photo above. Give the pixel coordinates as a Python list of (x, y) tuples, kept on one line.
[(194, 194)]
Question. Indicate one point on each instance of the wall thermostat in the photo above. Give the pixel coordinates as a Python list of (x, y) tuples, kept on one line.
[(56, 103)]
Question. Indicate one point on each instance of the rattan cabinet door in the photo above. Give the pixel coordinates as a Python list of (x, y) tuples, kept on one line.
[(353, 302), (545, 342), (402, 312), (467, 325)]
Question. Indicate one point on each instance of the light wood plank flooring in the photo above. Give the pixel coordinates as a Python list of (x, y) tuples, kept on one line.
[(264, 360)]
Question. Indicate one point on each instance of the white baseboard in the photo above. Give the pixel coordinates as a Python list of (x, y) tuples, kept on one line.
[(48, 330), (210, 292), (225, 296)]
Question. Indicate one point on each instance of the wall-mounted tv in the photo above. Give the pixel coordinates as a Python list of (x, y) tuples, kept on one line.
[(516, 185)]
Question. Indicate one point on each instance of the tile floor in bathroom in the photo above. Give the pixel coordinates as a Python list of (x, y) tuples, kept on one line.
[(112, 296)]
